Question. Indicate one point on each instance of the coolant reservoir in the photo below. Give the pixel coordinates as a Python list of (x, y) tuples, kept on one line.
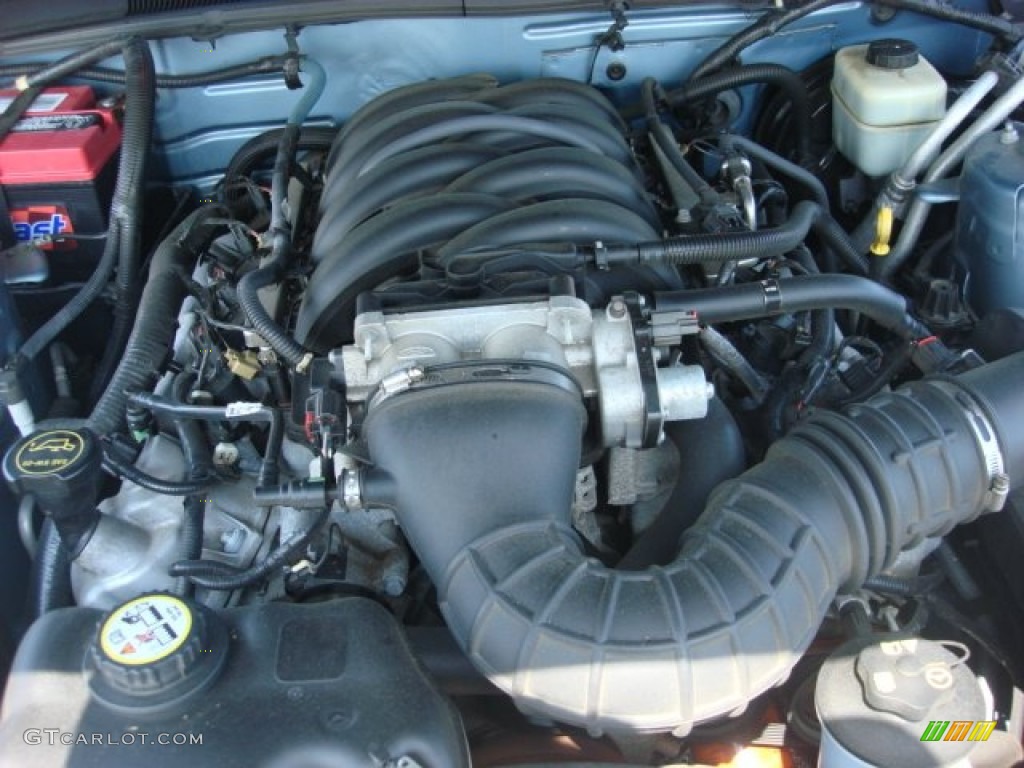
[(886, 98)]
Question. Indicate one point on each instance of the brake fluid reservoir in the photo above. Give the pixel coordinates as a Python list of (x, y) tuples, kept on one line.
[(886, 98)]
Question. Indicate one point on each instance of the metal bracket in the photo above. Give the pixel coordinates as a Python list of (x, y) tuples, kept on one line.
[(644, 341)]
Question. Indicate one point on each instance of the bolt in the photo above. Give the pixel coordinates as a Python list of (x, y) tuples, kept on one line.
[(882, 13), (1009, 134), (231, 541), (617, 309), (393, 585), (616, 71)]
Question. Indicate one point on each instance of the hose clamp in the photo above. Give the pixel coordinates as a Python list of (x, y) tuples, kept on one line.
[(985, 436), (472, 371), (351, 489), (772, 297)]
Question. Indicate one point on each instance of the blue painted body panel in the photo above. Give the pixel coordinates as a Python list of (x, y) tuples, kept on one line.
[(198, 129)]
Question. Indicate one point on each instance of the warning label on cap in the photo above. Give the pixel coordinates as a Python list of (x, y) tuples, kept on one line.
[(49, 452), (145, 630)]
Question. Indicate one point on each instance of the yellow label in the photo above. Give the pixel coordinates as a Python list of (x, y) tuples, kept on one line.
[(145, 630)]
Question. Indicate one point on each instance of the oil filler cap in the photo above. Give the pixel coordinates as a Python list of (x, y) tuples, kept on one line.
[(155, 652), (61, 469), (892, 53)]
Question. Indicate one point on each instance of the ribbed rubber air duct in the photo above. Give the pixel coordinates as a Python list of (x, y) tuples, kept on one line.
[(483, 473)]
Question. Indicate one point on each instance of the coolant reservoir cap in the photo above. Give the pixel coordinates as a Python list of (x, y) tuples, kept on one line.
[(878, 699), (892, 53), (156, 650)]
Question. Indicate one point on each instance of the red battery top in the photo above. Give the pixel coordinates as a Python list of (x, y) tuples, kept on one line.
[(64, 137)]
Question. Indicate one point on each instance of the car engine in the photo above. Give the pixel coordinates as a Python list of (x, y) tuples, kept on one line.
[(635, 411)]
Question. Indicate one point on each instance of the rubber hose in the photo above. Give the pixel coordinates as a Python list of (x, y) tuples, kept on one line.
[(992, 117), (257, 149), (1000, 28), (778, 163), (223, 577), (735, 246), (19, 106), (248, 413), (893, 361), (26, 524), (966, 586), (411, 174), (51, 576), (50, 584), (905, 587), (770, 298), (260, 147), (554, 221), (710, 452), (766, 26), (552, 172), (248, 293), (156, 320), (362, 144), (773, 21), (666, 142), (557, 221), (823, 321), (266, 65), (813, 362), (135, 145), (383, 106), (783, 78), (728, 357), (248, 288), (70, 64), (198, 464), (903, 180), (832, 505), (127, 207), (133, 474), (376, 250)]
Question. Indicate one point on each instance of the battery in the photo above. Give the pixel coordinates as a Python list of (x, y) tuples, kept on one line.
[(57, 172)]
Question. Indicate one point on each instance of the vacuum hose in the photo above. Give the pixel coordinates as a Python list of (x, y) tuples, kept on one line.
[(831, 506)]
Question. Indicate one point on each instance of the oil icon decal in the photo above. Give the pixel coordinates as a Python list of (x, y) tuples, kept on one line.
[(49, 452)]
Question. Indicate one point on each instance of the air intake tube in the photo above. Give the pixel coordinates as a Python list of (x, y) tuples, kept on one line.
[(482, 473)]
